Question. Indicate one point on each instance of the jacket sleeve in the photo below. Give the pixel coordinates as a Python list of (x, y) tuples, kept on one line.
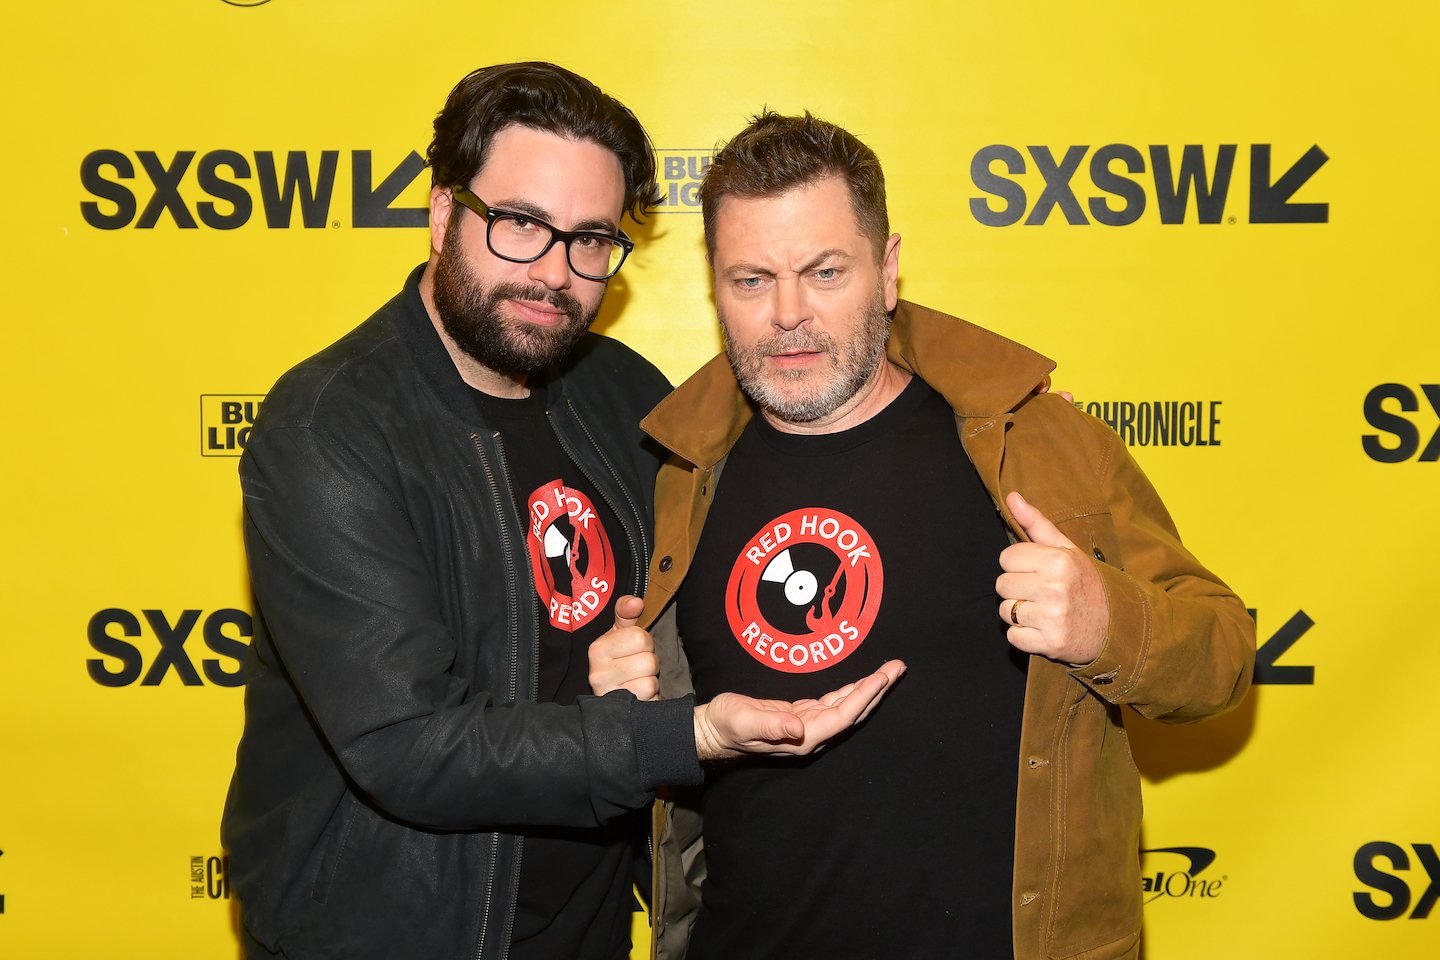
[(1180, 645), (350, 604)]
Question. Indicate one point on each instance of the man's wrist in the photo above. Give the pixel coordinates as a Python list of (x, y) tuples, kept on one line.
[(708, 744)]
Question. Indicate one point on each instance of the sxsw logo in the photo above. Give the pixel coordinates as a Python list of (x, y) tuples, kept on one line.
[(172, 653), (1176, 873), (1393, 886), (1113, 171), (226, 420), (1403, 429), (679, 175), (231, 182)]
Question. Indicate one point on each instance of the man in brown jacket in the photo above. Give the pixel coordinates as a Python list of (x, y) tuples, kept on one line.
[(906, 480)]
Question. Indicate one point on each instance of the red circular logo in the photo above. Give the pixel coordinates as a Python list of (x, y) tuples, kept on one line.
[(570, 555), (805, 590)]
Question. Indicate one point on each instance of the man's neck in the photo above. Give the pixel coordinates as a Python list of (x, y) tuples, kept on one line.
[(883, 386), (472, 371)]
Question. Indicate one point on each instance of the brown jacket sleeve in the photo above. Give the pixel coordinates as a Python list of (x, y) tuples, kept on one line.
[(1180, 645)]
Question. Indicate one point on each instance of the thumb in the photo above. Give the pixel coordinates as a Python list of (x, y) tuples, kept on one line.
[(777, 725), (1036, 526), (628, 610)]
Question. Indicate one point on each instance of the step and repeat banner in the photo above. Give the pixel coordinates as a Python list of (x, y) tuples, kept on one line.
[(1219, 222)]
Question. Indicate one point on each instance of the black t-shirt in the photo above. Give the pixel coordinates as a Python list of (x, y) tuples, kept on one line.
[(822, 558), (574, 884)]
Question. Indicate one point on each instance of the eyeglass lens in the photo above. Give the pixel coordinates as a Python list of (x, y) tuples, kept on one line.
[(591, 255)]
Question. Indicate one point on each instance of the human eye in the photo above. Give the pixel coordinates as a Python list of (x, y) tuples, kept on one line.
[(518, 225), (749, 283), (826, 274), (588, 242)]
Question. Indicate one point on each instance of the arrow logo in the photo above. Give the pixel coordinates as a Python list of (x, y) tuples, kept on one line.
[(1266, 670), (1269, 203)]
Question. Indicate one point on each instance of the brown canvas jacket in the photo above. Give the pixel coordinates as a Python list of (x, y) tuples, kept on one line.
[(1179, 647)]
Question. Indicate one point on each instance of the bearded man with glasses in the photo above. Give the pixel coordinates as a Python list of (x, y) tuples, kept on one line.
[(443, 510)]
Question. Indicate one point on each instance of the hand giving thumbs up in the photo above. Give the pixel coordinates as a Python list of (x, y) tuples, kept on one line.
[(624, 656), (1051, 593)]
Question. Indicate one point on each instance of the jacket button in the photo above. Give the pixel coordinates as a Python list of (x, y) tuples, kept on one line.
[(1099, 555), (665, 564)]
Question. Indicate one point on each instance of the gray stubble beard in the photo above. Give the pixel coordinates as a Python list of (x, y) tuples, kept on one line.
[(849, 370)]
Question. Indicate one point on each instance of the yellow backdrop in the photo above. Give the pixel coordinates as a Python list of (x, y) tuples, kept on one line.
[(160, 279)]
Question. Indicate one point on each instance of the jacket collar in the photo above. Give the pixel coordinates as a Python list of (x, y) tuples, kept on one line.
[(434, 363), (979, 373)]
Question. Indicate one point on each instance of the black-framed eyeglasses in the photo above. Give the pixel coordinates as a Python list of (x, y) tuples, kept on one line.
[(521, 238)]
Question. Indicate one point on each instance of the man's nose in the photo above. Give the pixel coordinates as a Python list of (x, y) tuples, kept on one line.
[(791, 309), (553, 269)]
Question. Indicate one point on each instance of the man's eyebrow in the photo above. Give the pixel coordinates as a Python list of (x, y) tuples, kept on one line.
[(747, 269), (754, 270), (601, 224), (834, 253)]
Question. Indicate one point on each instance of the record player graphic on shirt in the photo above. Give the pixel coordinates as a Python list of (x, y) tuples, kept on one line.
[(805, 590), (570, 555)]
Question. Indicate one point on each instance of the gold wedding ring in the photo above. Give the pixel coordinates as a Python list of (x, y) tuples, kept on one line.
[(1014, 611)]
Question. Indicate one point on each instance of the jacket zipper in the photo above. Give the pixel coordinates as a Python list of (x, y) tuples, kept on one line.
[(637, 558), (489, 894), (514, 681), (534, 610), (509, 563)]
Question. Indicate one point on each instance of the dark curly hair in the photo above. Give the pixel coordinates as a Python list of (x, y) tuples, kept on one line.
[(544, 97)]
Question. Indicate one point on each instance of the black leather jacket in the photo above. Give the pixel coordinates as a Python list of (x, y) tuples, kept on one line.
[(392, 748)]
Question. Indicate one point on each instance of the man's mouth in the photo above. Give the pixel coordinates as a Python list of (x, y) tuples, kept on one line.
[(796, 358), (539, 312)]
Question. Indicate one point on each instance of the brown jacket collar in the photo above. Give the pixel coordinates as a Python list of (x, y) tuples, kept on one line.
[(980, 374)]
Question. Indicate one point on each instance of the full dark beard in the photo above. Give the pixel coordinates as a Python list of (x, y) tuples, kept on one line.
[(470, 314), (803, 396)]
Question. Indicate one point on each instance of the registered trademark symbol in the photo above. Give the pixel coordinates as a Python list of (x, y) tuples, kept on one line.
[(336, 223), (1231, 219)]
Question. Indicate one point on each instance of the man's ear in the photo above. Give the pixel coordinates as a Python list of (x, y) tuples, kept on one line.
[(442, 206), (891, 268)]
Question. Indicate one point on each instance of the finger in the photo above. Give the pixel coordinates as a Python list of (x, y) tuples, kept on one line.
[(636, 666), (644, 688), (618, 643), (847, 710), (1033, 522), (628, 610), (760, 725), (1014, 612), (893, 670), (1021, 586), (1069, 397), (831, 698), (1025, 557), (1028, 640)]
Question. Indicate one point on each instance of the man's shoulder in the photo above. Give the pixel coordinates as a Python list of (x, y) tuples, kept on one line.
[(356, 371), (604, 370)]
